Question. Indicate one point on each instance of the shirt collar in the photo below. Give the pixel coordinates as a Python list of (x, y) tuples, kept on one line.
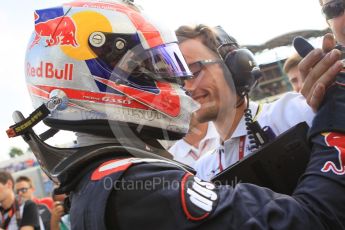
[(211, 132), (184, 148)]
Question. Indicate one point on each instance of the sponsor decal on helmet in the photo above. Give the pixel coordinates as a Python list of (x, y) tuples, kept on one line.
[(146, 29), (49, 70), (55, 27), (166, 101), (81, 95)]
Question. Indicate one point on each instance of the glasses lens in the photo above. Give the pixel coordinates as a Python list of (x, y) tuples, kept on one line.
[(333, 9), (22, 190), (195, 68)]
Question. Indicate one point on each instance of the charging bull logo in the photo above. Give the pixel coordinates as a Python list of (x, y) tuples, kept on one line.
[(59, 30), (336, 140)]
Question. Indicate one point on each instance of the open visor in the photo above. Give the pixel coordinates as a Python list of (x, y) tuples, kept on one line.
[(162, 63)]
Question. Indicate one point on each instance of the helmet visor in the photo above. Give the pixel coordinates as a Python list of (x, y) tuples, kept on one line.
[(162, 63)]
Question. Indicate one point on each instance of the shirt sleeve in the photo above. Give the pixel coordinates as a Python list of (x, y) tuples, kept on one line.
[(286, 112), (203, 166), (30, 215), (157, 196)]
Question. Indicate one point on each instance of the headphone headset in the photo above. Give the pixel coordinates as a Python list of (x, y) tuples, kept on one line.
[(245, 74), (239, 61)]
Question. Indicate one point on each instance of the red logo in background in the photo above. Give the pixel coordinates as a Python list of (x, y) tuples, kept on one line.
[(60, 31), (336, 140)]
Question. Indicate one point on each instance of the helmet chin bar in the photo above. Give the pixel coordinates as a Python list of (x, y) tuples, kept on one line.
[(65, 165)]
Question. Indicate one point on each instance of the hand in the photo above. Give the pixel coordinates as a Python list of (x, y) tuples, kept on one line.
[(319, 69), (58, 209), (56, 214)]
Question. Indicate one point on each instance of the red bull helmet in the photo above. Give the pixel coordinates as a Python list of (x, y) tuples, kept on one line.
[(103, 68), (112, 66)]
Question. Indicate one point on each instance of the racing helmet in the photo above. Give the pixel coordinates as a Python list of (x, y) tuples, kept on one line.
[(111, 66)]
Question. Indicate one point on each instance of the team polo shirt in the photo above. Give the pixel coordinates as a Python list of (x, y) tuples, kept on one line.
[(279, 115), (188, 154)]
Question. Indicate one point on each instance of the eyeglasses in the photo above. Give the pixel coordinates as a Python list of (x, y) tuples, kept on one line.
[(196, 67), (22, 190), (333, 9)]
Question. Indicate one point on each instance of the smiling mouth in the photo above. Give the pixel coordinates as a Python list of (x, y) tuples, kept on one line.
[(204, 102)]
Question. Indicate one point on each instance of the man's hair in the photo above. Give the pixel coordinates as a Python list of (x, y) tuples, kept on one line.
[(25, 179), (291, 62), (207, 35), (5, 177)]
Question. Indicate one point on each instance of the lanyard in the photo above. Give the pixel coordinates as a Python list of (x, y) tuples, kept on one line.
[(220, 166), (5, 222), (241, 147), (240, 153), (193, 154)]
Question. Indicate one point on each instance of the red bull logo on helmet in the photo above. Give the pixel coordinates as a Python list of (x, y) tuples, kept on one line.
[(49, 70), (336, 140), (56, 28)]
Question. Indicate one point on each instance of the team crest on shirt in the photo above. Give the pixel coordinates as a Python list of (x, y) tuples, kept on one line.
[(336, 140), (198, 197)]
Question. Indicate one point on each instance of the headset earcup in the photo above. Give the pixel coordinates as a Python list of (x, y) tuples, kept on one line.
[(241, 63)]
